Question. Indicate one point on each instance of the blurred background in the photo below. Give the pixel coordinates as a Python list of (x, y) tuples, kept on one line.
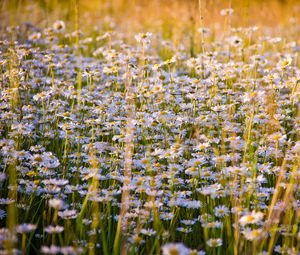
[(171, 18)]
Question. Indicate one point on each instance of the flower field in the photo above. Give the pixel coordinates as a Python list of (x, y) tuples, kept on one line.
[(170, 131)]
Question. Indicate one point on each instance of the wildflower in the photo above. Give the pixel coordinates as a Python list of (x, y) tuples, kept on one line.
[(59, 26), (214, 242), (188, 222), (185, 230), (53, 249), (235, 41), (136, 239), (143, 37), (2, 177), (227, 12), (253, 218), (157, 89), (148, 232), (175, 249), (214, 224), (285, 63), (6, 201), (2, 214), (57, 182), (71, 250), (153, 204), (193, 171), (34, 36), (49, 160), (104, 36), (253, 234), (204, 30), (54, 229), (211, 189), (238, 210), (202, 146), (56, 204), (68, 214), (195, 252), (166, 216), (221, 211), (26, 228)]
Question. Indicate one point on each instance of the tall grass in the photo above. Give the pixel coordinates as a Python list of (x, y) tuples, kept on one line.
[(149, 127)]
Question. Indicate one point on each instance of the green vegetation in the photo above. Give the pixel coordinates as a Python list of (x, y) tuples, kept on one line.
[(170, 131)]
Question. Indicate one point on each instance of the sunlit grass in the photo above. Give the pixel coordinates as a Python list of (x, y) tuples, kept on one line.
[(149, 127)]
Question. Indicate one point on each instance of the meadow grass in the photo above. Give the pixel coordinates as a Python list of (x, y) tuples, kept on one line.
[(149, 127)]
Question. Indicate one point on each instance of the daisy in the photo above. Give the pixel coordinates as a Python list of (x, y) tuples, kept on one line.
[(54, 229), (253, 234), (226, 12), (252, 218), (221, 211), (175, 249), (214, 242), (56, 204), (59, 26), (26, 228), (68, 214)]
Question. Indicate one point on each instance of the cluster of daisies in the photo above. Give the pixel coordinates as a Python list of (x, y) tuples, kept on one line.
[(107, 145)]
